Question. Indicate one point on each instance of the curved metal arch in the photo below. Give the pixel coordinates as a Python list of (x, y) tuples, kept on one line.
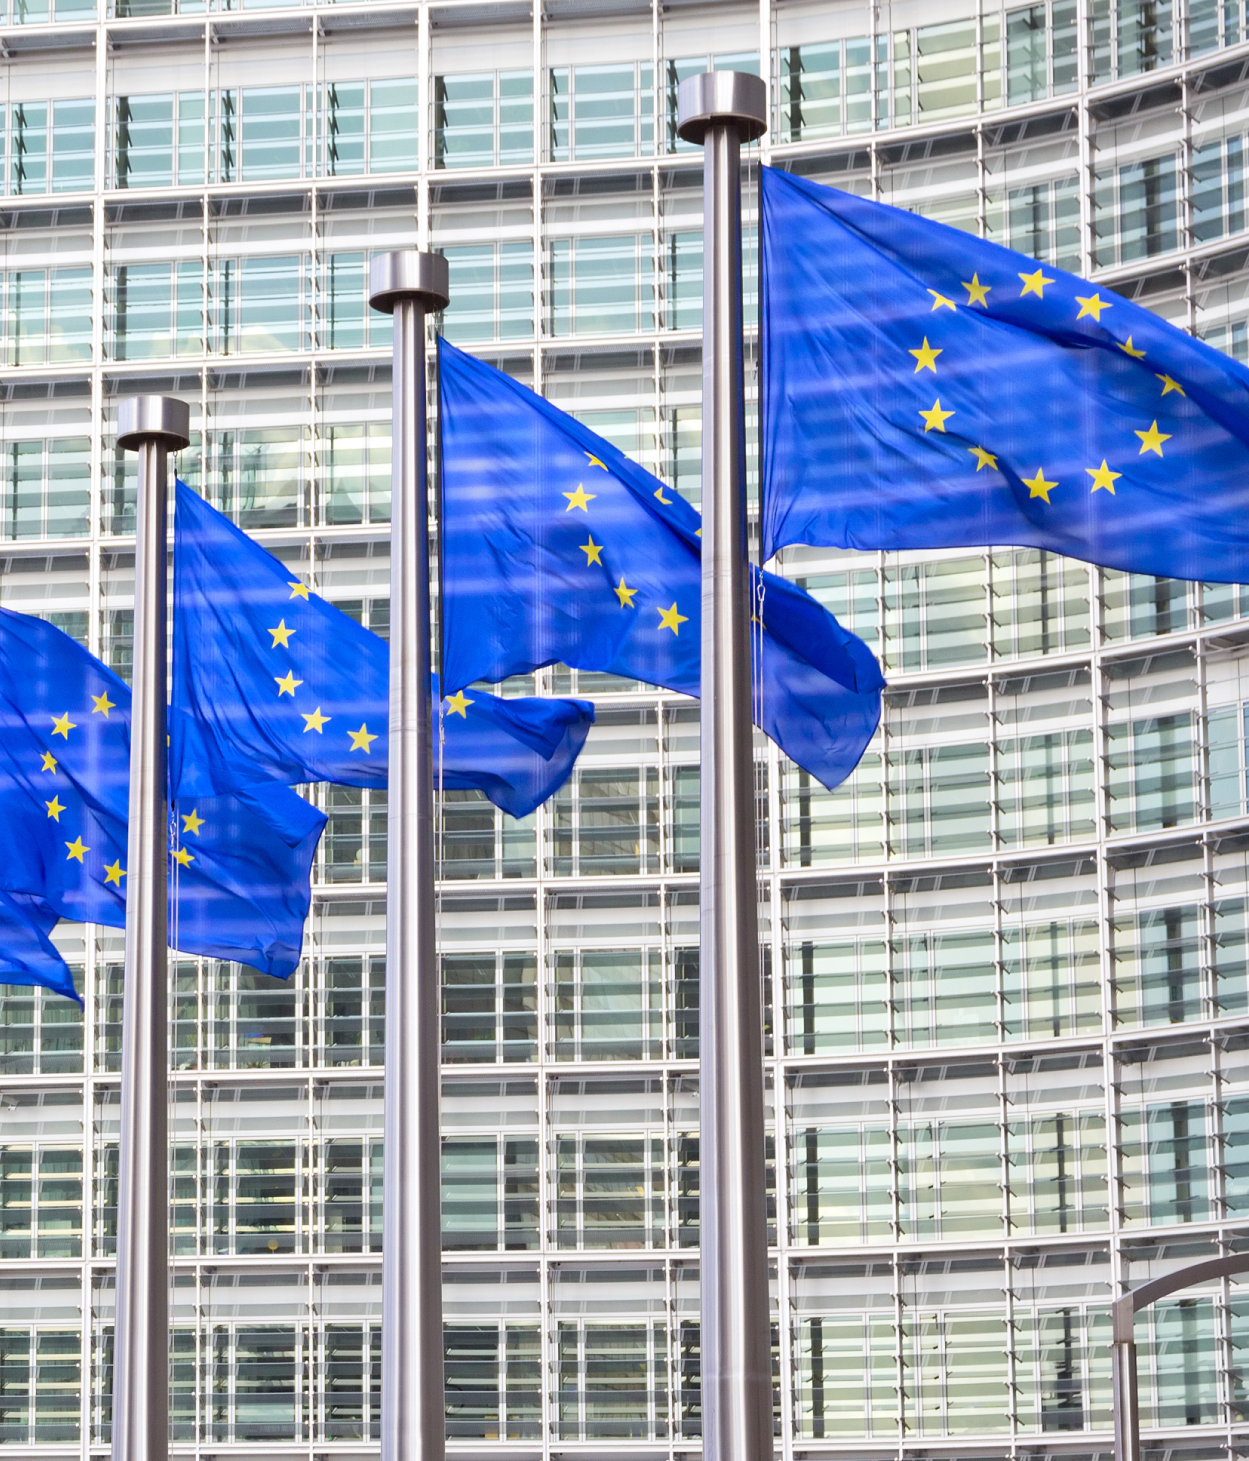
[(1126, 1308)]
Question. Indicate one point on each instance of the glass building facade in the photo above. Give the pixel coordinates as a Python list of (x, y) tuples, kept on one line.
[(1006, 971)]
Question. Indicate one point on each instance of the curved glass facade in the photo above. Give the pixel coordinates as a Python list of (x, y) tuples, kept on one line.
[(1006, 965)]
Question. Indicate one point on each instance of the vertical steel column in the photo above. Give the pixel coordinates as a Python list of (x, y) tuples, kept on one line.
[(1126, 1405), (153, 426), (721, 109), (408, 285)]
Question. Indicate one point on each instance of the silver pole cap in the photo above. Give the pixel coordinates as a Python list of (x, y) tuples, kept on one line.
[(721, 96), (408, 274), (153, 418)]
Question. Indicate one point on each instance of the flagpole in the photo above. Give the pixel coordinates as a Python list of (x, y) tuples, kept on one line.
[(409, 285), (152, 426), (721, 109)]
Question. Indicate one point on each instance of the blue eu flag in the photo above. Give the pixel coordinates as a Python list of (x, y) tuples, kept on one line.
[(239, 865), (272, 683), (925, 389), (558, 548), (27, 954)]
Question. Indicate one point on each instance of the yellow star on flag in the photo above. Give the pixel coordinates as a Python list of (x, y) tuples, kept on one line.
[(1038, 487), (62, 725), (594, 461), (624, 593), (925, 357), (1092, 305), (1152, 439), (670, 619), (591, 549), (1129, 349), (113, 873), (102, 705), (935, 419), (983, 458), (286, 683), (54, 808), (361, 740), (192, 822), (49, 762), (939, 301), (1103, 477), (458, 704), (281, 635), (659, 493), (976, 292), (298, 590), (183, 858), (580, 498), (315, 721), (1169, 385), (1034, 284), (76, 849)]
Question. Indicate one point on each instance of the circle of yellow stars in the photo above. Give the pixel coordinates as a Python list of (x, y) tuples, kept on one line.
[(280, 636), (1102, 478), (579, 499), (63, 725), (77, 849)]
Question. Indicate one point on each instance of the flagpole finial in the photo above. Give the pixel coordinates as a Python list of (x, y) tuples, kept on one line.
[(721, 96), (153, 418), (409, 274)]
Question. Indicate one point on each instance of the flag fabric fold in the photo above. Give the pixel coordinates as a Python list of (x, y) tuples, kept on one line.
[(239, 865), (272, 683), (923, 388), (27, 954), (558, 548)]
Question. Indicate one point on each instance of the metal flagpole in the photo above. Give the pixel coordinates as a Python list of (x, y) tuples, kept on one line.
[(409, 285), (153, 426), (721, 109)]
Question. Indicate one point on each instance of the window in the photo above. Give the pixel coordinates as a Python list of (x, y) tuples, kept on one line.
[(608, 1005), (258, 304), (40, 1202), (354, 842), (607, 822), (40, 1385), (1040, 52), (1135, 211), (270, 132), (352, 996), (369, 127), (601, 286), (51, 146), (493, 1381), (146, 322), (489, 1007), (602, 111), (49, 316), (1165, 1164), (483, 119), (489, 1193), (158, 140), (610, 1191), (355, 474), (810, 92), (46, 487), (255, 1385), (1150, 767), (491, 292), (683, 257), (393, 126), (1157, 966), (1043, 221), (1051, 979)]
